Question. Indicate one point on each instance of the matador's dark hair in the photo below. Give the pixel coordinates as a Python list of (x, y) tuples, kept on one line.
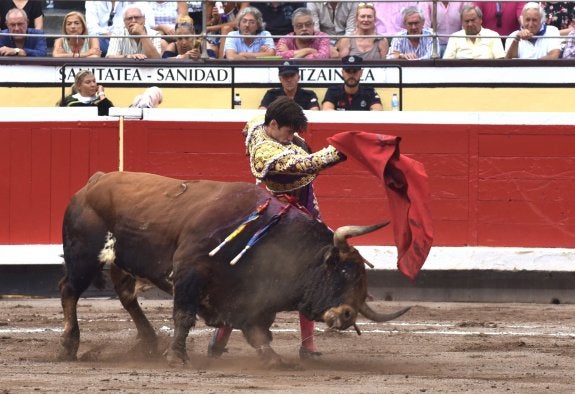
[(286, 112)]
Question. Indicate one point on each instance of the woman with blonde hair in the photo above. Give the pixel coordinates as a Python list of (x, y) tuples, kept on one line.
[(369, 47), (87, 93), (74, 25)]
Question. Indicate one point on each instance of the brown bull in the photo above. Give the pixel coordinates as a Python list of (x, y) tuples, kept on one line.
[(162, 230)]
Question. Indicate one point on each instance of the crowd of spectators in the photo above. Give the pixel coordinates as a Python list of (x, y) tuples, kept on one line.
[(314, 30), (351, 31)]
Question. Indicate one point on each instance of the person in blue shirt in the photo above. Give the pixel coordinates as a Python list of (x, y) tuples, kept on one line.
[(242, 44), (32, 45)]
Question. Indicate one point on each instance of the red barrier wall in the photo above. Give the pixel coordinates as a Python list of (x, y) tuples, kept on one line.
[(494, 185), (41, 166)]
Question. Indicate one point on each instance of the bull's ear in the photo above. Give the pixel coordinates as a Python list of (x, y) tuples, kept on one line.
[(331, 256)]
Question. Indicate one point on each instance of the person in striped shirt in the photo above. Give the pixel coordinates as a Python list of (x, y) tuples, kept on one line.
[(414, 42), (144, 42)]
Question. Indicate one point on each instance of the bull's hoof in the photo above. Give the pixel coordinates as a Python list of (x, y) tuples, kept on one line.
[(306, 354), (176, 358), (65, 355), (144, 349)]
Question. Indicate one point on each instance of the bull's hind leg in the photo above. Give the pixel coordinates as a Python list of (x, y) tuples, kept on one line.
[(82, 268), (125, 286), (70, 339)]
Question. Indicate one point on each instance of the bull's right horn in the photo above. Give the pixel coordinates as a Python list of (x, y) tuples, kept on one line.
[(366, 311), (341, 235)]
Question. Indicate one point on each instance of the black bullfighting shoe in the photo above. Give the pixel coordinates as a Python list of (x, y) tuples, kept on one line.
[(216, 347)]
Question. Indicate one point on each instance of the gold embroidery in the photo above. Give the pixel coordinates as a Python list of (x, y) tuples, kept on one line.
[(283, 168)]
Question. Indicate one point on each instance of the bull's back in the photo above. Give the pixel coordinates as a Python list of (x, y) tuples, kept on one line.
[(130, 201)]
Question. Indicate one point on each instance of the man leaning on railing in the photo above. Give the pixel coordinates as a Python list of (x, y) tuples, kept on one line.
[(535, 40), (33, 44)]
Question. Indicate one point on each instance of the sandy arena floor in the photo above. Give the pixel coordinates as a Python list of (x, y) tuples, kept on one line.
[(435, 347)]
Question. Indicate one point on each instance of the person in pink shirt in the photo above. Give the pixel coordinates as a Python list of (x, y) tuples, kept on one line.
[(314, 44), (448, 20), (389, 20), (503, 17)]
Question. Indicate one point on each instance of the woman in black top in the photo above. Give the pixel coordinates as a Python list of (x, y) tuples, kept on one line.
[(86, 93)]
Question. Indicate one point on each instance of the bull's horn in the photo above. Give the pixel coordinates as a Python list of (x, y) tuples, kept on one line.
[(343, 233), (366, 311)]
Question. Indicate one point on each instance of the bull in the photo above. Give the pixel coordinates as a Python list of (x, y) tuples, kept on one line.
[(161, 230)]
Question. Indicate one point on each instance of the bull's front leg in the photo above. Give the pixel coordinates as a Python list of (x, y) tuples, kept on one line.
[(260, 338), (187, 289), (183, 322)]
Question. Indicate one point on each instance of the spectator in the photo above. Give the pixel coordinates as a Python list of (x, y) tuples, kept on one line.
[(103, 17), (166, 14), (151, 98), (222, 23), (412, 48), (390, 20), (368, 48), (448, 20), (560, 14), (33, 45), (503, 17), (288, 74), (87, 93), (527, 42), (476, 46), (250, 23), (351, 96), (278, 16), (143, 43), (569, 51), (195, 11), (186, 46), (33, 9), (315, 44), (335, 18), (74, 24)]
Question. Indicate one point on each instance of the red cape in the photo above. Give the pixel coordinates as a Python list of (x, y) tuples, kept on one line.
[(406, 185)]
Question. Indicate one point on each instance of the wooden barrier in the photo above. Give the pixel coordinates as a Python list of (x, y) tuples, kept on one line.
[(495, 180)]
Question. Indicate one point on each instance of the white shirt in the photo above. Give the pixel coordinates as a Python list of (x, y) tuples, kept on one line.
[(128, 45), (542, 46), (461, 47), (98, 14)]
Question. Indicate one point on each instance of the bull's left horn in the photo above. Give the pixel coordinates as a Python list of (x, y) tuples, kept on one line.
[(366, 311), (341, 235)]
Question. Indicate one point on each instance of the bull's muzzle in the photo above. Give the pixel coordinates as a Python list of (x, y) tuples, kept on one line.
[(340, 317)]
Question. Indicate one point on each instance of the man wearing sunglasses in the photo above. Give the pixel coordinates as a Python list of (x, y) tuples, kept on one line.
[(288, 74), (143, 42), (351, 96), (310, 45)]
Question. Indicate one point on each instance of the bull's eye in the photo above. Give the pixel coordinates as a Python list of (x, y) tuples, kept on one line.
[(347, 315)]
